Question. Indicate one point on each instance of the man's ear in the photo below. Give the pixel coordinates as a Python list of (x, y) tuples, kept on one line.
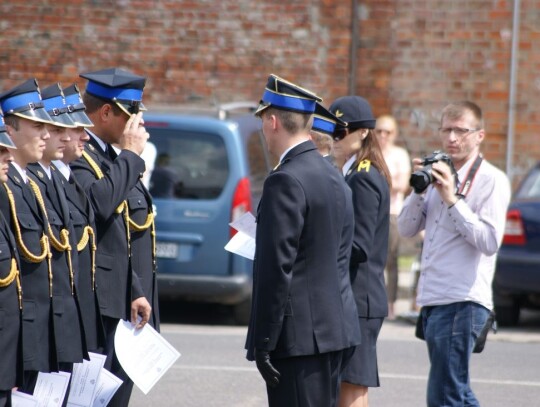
[(274, 121), (480, 137), (105, 112)]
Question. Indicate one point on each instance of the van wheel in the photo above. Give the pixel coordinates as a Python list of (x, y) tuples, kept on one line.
[(242, 312), (507, 315)]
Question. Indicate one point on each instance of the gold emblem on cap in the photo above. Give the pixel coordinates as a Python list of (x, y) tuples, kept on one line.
[(338, 113)]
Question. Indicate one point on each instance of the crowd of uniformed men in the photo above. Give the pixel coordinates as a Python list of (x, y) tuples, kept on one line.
[(77, 238)]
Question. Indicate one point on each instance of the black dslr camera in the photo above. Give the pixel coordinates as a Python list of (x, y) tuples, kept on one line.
[(421, 179)]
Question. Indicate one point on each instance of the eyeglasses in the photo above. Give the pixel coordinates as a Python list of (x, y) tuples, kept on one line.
[(458, 131)]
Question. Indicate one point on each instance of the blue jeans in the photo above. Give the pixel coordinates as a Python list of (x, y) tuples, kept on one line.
[(450, 332)]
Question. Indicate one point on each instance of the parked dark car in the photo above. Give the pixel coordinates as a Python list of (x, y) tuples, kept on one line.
[(517, 277), (209, 170)]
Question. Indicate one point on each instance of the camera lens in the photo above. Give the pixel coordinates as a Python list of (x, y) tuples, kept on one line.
[(421, 179)]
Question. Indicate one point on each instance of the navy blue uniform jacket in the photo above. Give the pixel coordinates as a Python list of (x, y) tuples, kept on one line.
[(302, 298), (82, 215), (39, 352), (10, 314), (117, 285), (68, 328), (371, 202)]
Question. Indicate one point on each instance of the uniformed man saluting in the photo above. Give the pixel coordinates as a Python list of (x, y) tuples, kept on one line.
[(10, 290), (113, 100)]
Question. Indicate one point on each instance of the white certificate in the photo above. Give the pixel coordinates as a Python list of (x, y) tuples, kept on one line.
[(19, 399), (242, 244), (84, 380), (51, 388), (105, 388), (143, 353), (245, 224)]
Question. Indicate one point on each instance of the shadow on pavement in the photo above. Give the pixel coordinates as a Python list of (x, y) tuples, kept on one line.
[(194, 313)]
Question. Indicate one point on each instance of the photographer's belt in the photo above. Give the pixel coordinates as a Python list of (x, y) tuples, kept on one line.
[(465, 187)]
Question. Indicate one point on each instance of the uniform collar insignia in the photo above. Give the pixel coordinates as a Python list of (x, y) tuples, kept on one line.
[(91, 147), (40, 174), (17, 179)]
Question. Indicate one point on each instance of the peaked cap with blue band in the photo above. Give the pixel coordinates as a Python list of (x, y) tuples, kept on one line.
[(119, 86), (285, 95), (5, 140), (24, 101), (325, 121), (76, 106), (55, 105)]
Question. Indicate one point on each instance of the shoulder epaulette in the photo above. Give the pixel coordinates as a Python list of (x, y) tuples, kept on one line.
[(364, 165)]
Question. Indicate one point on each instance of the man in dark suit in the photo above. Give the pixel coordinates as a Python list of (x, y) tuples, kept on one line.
[(68, 328), (125, 272), (83, 222), (25, 120), (303, 321), (10, 290)]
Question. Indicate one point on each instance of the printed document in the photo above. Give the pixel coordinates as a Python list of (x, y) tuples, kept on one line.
[(243, 242), (143, 353), (51, 388), (84, 380)]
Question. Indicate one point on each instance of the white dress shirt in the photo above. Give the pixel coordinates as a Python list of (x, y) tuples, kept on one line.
[(460, 242), (63, 168)]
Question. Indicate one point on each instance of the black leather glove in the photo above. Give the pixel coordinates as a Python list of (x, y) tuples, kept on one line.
[(268, 372)]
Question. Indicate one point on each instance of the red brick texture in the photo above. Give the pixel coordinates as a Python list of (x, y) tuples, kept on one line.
[(413, 56)]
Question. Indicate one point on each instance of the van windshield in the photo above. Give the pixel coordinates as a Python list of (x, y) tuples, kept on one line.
[(189, 165)]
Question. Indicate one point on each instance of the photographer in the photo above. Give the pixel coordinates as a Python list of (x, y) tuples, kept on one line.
[(463, 216)]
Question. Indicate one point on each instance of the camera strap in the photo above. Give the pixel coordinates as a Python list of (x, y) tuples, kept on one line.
[(466, 185)]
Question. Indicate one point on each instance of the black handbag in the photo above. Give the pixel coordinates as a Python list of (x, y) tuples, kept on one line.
[(491, 324), (419, 329)]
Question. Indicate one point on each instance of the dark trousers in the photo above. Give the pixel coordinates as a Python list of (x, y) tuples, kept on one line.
[(309, 381), (29, 381), (123, 394), (5, 398)]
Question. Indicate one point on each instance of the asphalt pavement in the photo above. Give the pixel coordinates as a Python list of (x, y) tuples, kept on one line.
[(213, 371)]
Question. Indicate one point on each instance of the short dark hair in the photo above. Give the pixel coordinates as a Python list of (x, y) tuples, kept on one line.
[(293, 122), (94, 103), (12, 121)]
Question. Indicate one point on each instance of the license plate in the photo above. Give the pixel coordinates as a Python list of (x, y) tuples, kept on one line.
[(166, 250)]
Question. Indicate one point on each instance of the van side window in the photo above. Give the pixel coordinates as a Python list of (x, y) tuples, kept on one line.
[(188, 165)]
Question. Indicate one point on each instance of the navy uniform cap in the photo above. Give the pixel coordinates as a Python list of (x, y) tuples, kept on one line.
[(285, 95), (24, 101), (5, 140), (76, 106), (119, 86), (325, 121), (55, 105), (355, 110)]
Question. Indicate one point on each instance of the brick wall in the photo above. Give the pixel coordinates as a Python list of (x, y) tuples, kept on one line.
[(422, 54), (413, 56)]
